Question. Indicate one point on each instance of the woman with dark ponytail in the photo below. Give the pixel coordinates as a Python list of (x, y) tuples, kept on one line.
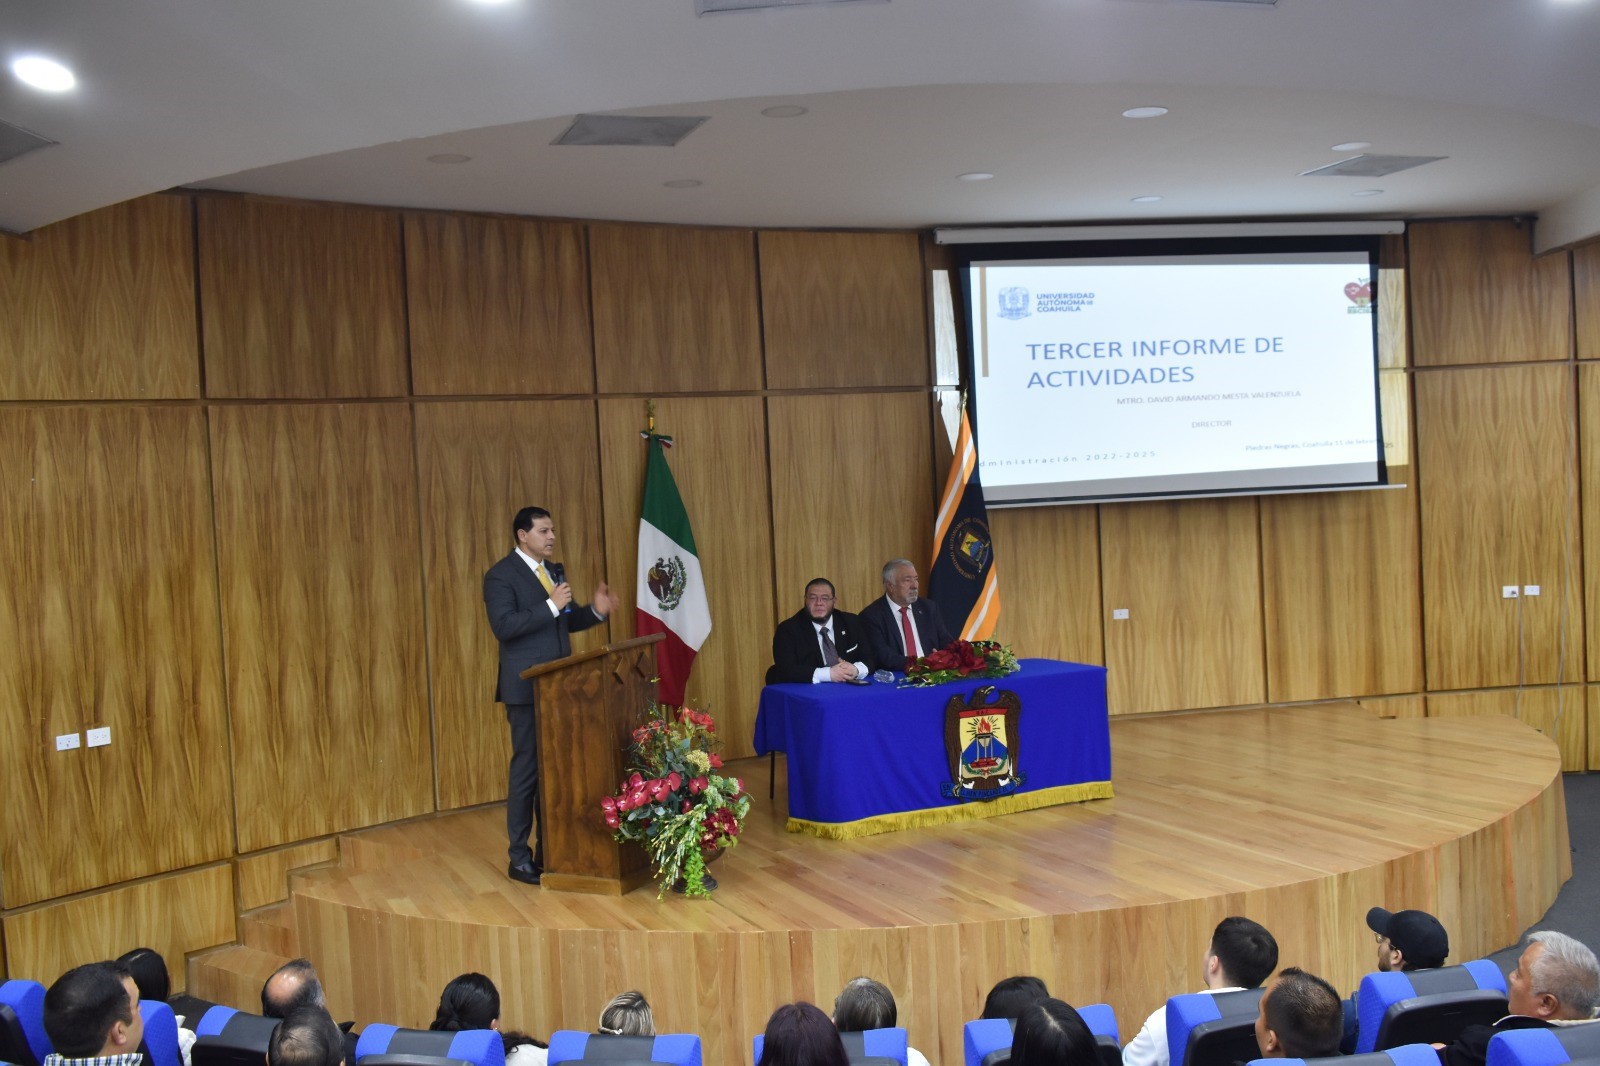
[(471, 1001)]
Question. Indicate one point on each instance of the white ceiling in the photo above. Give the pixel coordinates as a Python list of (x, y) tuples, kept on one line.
[(345, 100)]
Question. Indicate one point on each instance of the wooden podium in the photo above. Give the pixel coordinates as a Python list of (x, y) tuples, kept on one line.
[(589, 706)]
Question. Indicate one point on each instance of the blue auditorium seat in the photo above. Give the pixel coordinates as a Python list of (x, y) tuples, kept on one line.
[(22, 1035), (480, 1047), (672, 1049), (1545, 1047), (868, 1048), (1427, 1006), (1213, 1028), (987, 1041), (1405, 1055), (160, 1034), (229, 1037)]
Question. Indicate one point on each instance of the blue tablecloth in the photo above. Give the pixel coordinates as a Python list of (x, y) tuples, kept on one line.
[(870, 759)]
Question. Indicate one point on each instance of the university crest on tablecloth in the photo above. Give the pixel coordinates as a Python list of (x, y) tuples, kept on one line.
[(981, 740)]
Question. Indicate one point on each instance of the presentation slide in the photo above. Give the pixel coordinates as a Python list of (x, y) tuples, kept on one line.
[(1108, 378)]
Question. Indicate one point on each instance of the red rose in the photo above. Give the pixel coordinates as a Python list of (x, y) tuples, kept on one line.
[(716, 761), (674, 779), (609, 803), (612, 821)]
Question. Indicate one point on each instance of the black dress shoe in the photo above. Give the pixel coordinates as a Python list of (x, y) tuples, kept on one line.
[(527, 873)]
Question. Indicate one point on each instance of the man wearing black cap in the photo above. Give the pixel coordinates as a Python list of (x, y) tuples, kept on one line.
[(1407, 940)]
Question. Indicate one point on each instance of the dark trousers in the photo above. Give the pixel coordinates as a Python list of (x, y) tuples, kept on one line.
[(522, 793)]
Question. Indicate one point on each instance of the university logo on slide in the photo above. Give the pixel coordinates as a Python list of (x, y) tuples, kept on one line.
[(1013, 302), (1360, 294), (666, 581), (981, 741)]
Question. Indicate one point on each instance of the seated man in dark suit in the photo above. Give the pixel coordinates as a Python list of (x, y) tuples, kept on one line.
[(1556, 982), (900, 624), (819, 643)]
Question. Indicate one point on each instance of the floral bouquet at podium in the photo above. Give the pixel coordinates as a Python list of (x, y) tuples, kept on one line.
[(676, 803), (961, 659)]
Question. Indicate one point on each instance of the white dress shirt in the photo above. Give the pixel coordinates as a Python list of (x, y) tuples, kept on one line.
[(821, 673)]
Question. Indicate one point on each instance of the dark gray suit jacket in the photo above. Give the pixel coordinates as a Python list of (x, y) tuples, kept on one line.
[(882, 622), (520, 617)]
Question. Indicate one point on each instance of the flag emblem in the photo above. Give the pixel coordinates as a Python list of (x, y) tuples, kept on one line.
[(666, 580)]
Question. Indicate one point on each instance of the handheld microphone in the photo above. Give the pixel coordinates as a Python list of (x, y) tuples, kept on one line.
[(558, 574)]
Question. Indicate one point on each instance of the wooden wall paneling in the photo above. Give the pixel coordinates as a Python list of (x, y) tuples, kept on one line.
[(1393, 336), (1586, 298), (264, 877), (1049, 560), (719, 461), (321, 594), (1592, 724), (187, 911), (853, 488), (1479, 296), (675, 309), (301, 300), (1342, 600), (1558, 711), (1589, 487), (1394, 412), (479, 463), (1411, 705), (1496, 454), (497, 305), (843, 309), (108, 614), (1189, 572), (101, 307)]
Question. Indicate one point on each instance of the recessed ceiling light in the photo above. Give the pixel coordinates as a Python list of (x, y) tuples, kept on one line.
[(683, 183), (784, 111), (1351, 146), (449, 157), (1368, 192), (1144, 112), (1147, 199), (975, 175), (43, 74)]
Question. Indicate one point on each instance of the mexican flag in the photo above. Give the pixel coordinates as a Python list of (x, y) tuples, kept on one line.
[(671, 596)]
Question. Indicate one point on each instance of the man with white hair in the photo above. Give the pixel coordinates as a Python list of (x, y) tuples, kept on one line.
[(1556, 982)]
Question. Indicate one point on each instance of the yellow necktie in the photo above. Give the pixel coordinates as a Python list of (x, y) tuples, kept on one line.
[(544, 578)]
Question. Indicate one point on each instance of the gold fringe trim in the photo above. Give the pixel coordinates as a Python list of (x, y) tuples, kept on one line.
[(958, 812)]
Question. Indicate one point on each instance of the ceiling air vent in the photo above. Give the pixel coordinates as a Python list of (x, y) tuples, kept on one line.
[(15, 141), (1370, 166), (635, 131)]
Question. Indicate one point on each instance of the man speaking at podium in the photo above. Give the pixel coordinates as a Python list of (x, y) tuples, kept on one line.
[(531, 613)]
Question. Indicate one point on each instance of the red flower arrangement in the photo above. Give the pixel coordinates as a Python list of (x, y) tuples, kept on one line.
[(959, 659), (675, 802)]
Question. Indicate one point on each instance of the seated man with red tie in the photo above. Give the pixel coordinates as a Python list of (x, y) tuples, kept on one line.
[(818, 643), (900, 624)]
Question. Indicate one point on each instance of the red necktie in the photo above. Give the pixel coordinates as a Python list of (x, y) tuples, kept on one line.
[(905, 629)]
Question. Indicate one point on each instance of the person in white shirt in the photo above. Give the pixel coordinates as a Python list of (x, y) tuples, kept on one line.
[(867, 1004), (1242, 954)]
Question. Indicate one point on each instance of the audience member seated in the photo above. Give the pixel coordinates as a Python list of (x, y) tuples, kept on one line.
[(1012, 995), (1300, 1017), (91, 1015), (627, 1014), (471, 1001), (149, 972), (1556, 982), (866, 1004), (307, 1036), (295, 984), (1050, 1033), (1407, 940), (1241, 955), (799, 1034)]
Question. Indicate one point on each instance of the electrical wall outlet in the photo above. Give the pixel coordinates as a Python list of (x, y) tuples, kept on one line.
[(68, 741), (1508, 591), (1120, 614), (1530, 590), (99, 738)]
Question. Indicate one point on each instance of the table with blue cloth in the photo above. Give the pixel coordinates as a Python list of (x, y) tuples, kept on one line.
[(866, 759)]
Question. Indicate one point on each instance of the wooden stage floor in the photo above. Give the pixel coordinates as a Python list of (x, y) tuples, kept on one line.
[(1301, 818)]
